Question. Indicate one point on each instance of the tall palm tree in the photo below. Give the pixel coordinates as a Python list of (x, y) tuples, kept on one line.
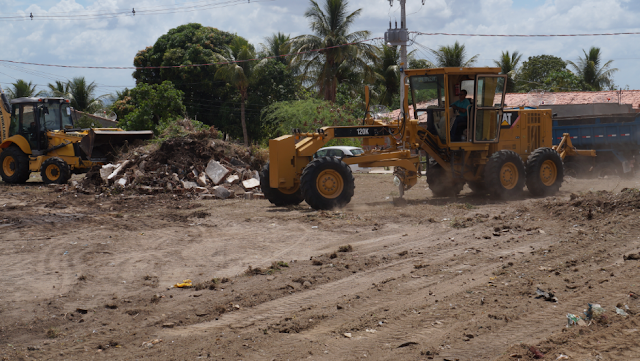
[(387, 69), (509, 65), (22, 89), (82, 95), (238, 75), (592, 71), (453, 56), (328, 67), (60, 89), (276, 45)]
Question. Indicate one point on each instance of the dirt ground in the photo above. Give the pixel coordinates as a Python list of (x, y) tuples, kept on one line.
[(85, 277)]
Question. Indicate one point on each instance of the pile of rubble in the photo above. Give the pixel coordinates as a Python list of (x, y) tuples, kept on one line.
[(194, 164)]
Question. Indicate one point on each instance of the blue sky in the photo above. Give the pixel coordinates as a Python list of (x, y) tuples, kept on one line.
[(114, 41)]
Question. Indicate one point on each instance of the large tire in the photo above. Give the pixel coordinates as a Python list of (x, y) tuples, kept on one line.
[(276, 196), (504, 174), (55, 171), (327, 183), (441, 183), (14, 165), (545, 172)]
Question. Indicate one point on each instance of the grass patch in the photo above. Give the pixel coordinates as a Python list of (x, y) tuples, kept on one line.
[(53, 332)]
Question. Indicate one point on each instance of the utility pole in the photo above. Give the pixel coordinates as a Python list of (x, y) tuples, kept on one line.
[(400, 37)]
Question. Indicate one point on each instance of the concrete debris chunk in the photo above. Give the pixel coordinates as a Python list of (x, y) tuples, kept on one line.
[(202, 180), (251, 183), (221, 192), (189, 185), (232, 179), (216, 171), (122, 182), (118, 170), (106, 171), (248, 196)]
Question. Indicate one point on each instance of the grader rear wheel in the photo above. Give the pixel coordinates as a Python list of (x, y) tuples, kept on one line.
[(327, 183), (545, 172), (277, 196), (504, 174)]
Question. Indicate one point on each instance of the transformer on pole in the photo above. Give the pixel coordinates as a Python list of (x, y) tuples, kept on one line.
[(400, 37)]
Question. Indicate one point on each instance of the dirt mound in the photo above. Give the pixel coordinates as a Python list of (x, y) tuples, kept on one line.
[(196, 163)]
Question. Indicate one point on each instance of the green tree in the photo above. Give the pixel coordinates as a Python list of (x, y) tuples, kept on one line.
[(509, 65), (150, 107), (534, 71), (338, 62), (22, 89), (307, 115), (562, 81), (591, 70), (60, 89), (205, 98), (387, 67), (276, 45), (82, 95), (453, 56)]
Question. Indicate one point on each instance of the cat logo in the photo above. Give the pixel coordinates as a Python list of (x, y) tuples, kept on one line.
[(509, 119), (506, 119)]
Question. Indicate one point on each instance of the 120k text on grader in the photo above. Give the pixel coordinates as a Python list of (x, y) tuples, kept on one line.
[(500, 150)]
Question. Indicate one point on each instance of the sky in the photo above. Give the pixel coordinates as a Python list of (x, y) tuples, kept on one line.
[(79, 33)]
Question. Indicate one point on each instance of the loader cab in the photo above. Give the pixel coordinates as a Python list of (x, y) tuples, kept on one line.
[(33, 117), (434, 91)]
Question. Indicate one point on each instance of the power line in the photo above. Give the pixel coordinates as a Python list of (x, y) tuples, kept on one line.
[(524, 35), (189, 65)]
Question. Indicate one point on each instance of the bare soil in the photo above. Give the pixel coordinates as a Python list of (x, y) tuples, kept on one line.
[(86, 277)]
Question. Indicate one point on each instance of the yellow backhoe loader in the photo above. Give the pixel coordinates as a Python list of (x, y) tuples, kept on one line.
[(38, 135), (492, 149)]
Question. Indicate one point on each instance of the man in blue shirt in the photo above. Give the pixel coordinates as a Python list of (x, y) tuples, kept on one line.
[(460, 124)]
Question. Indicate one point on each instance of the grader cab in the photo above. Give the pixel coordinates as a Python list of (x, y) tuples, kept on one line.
[(474, 141)]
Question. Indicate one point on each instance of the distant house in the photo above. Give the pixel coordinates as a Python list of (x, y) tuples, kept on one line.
[(104, 122)]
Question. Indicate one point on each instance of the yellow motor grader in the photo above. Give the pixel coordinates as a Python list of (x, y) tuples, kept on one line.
[(492, 149), (38, 135)]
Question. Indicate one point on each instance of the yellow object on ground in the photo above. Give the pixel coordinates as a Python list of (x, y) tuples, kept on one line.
[(185, 283)]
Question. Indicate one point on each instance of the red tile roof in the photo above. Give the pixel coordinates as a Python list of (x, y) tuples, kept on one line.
[(623, 97)]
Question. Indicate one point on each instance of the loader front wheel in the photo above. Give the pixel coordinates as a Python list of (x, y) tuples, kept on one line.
[(279, 197), (327, 183), (504, 174), (545, 172), (55, 171), (14, 165), (441, 183)]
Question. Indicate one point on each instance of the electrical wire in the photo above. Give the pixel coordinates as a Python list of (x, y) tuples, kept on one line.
[(525, 35)]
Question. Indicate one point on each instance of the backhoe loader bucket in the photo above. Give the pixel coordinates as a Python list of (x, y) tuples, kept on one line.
[(98, 145)]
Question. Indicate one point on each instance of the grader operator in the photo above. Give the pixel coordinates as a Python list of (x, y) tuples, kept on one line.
[(38, 135), (493, 150)]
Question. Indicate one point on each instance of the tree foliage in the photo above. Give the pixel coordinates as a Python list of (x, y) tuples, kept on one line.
[(563, 81), (536, 69), (453, 56), (509, 65), (150, 107), (276, 45), (338, 63), (591, 70), (22, 89)]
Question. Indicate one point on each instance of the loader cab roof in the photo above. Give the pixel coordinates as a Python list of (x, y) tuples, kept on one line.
[(32, 100)]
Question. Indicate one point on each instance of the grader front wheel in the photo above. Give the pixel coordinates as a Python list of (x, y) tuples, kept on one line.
[(504, 174), (327, 183), (545, 172), (279, 197)]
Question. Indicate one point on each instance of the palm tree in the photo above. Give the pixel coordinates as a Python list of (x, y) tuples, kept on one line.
[(276, 45), (82, 95), (22, 89), (238, 74), (453, 56), (60, 89), (387, 69), (509, 65), (592, 72), (337, 61)]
